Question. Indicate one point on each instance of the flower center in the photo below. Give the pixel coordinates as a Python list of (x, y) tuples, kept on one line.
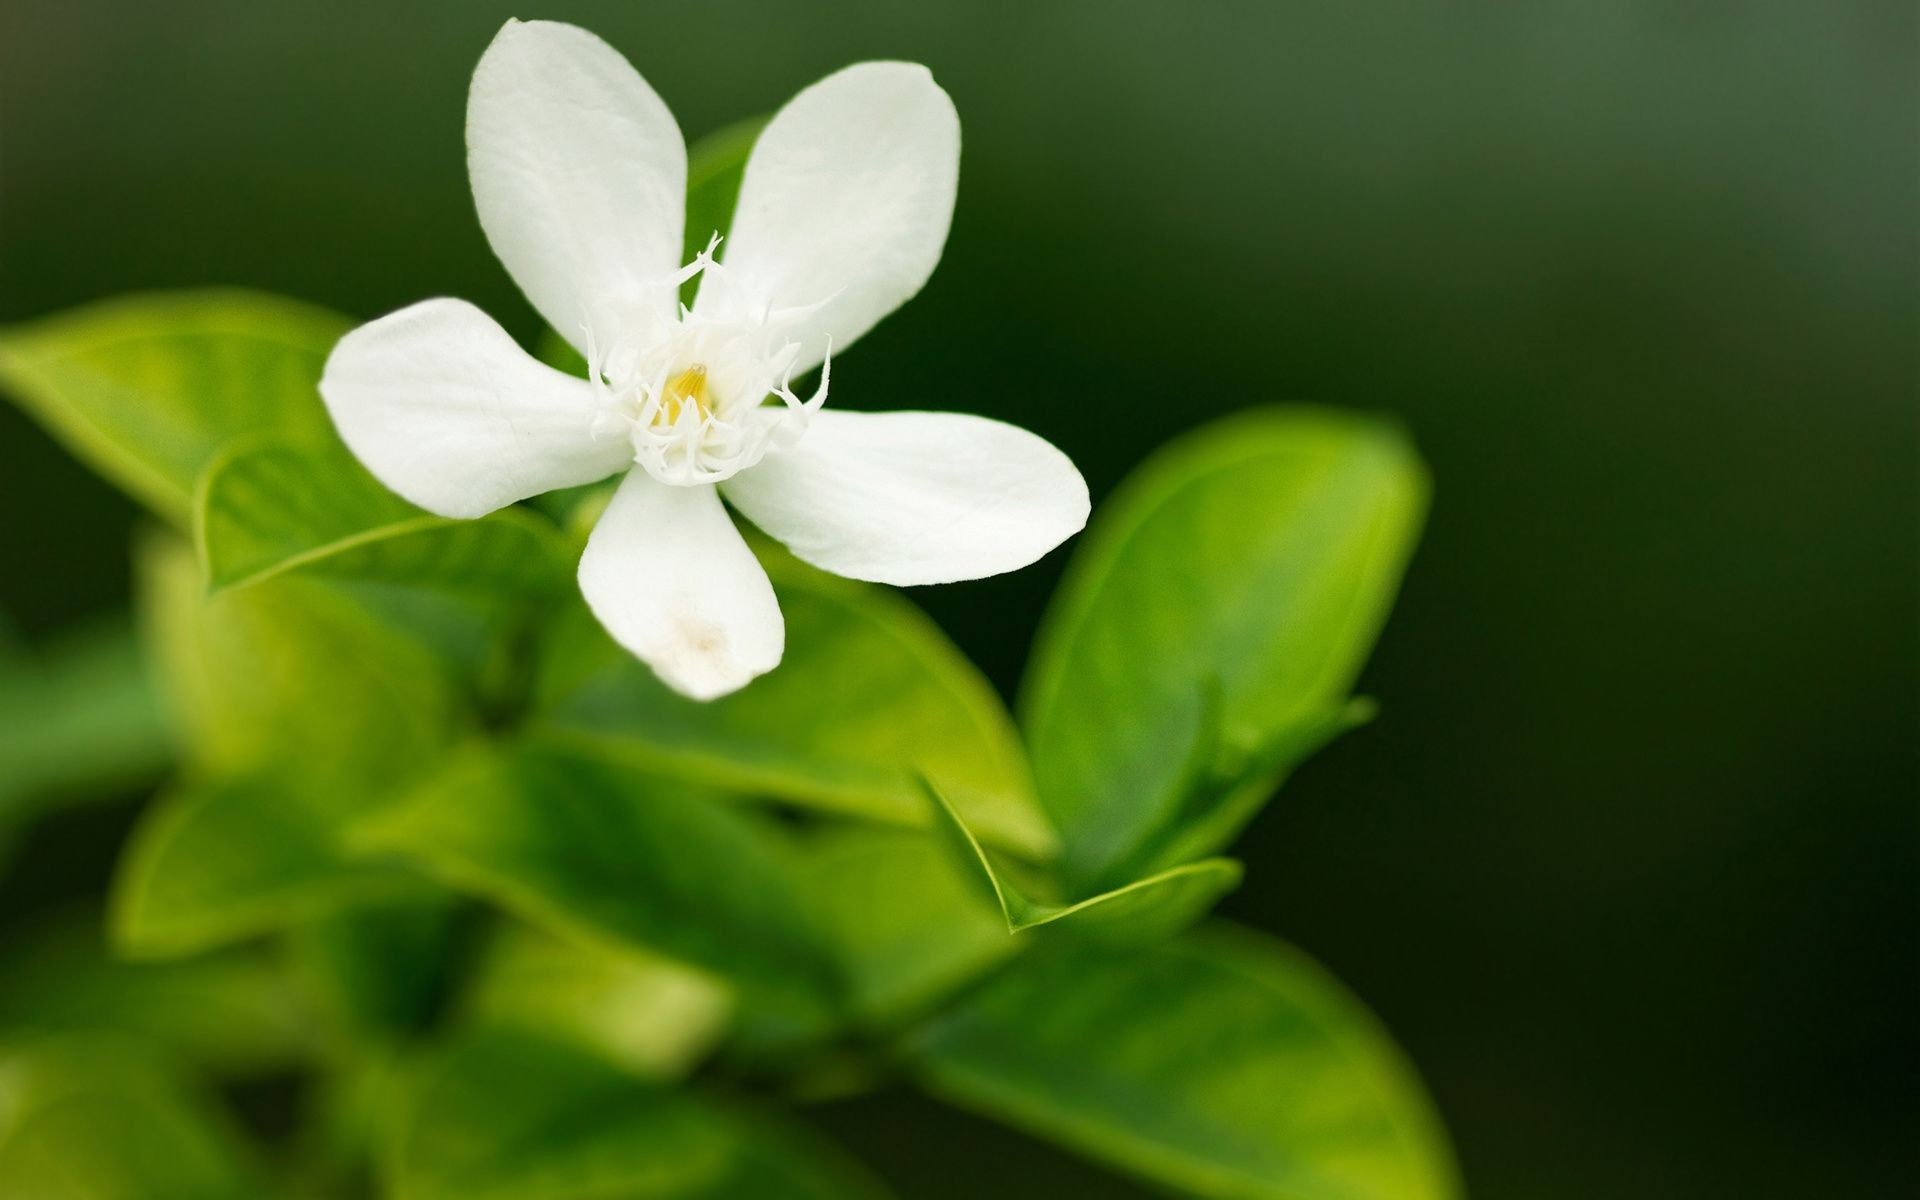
[(688, 387)]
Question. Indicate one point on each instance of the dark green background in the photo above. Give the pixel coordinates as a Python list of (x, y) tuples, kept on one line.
[(1629, 861)]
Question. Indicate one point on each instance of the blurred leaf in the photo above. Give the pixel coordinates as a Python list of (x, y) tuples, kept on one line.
[(90, 1118), (271, 504), (144, 389), (378, 972), (646, 1014), (520, 1118), (219, 861), (234, 1013), (1222, 1064), (303, 710), (1220, 605), (293, 673), (77, 723), (1144, 910), (715, 165), (906, 926), (597, 851), (870, 691)]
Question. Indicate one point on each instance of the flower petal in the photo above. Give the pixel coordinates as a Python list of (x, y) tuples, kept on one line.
[(846, 201), (444, 408), (914, 497), (580, 176), (672, 580)]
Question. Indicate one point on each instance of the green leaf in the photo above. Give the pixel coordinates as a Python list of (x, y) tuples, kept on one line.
[(78, 723), (271, 504), (1144, 910), (1287, 531), (715, 165), (870, 691), (1222, 1064), (90, 1118), (608, 854), (511, 1117), (235, 1013), (296, 674), (906, 926), (213, 863), (645, 1014), (144, 389), (377, 973)]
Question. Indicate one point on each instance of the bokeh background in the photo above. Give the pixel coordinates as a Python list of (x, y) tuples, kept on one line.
[(1629, 862)]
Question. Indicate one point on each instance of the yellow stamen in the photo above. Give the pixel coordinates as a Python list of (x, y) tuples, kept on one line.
[(689, 385)]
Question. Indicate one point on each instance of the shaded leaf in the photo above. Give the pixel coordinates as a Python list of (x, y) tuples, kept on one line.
[(905, 925), (79, 722), (1222, 1064), (597, 851), (293, 672), (144, 389), (234, 1013), (1224, 600), (215, 862), (578, 1128)]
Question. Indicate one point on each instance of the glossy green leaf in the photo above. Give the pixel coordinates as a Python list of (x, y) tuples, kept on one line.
[(91, 1118), (217, 862), (1144, 910), (79, 722), (646, 1014), (579, 1128), (145, 389), (1221, 605), (1221, 1064), (602, 852), (235, 1013), (271, 504), (905, 925), (870, 691)]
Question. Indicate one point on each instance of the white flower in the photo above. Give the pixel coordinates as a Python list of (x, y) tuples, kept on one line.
[(579, 175)]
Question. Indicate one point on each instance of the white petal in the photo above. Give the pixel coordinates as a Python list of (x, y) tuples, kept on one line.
[(670, 577), (447, 410), (914, 497), (580, 176), (846, 200)]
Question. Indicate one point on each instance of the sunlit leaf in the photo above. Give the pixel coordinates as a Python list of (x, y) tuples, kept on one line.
[(513, 1117), (1143, 910), (870, 690), (644, 1013), (271, 504), (606, 853), (92, 1118), (145, 389), (1209, 629), (1221, 1064)]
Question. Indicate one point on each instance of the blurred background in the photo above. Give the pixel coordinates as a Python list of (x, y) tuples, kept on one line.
[(1629, 861)]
